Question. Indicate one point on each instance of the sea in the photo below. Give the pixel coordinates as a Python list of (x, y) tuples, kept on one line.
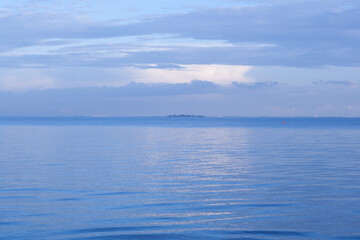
[(92, 178)]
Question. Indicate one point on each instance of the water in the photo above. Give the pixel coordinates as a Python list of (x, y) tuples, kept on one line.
[(179, 178)]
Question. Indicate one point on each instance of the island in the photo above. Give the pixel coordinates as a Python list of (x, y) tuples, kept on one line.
[(184, 115)]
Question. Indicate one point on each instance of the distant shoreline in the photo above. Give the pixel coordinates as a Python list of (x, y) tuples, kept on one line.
[(183, 115)]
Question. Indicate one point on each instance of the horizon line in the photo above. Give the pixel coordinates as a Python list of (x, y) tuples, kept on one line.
[(166, 116)]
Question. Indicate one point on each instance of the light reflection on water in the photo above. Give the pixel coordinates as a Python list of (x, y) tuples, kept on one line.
[(148, 182)]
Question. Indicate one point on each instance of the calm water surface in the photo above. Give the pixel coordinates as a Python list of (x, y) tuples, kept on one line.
[(179, 178)]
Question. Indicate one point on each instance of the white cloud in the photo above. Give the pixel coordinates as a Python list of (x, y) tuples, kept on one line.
[(219, 74)]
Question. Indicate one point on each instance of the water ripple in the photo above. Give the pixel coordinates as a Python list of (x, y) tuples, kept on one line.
[(127, 182), (112, 193), (269, 233), (113, 229), (137, 236)]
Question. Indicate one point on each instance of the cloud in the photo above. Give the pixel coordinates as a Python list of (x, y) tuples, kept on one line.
[(220, 74), (196, 97), (255, 85), (277, 33), (193, 87), (141, 89), (27, 79), (32, 78), (168, 89), (341, 83), (81, 60)]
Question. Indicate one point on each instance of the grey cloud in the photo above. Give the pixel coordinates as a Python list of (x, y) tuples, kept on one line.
[(194, 87), (343, 83), (29, 29), (311, 33), (138, 89), (289, 24), (300, 101), (255, 85), (273, 56)]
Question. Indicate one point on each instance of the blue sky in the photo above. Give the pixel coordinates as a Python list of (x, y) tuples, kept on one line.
[(218, 58)]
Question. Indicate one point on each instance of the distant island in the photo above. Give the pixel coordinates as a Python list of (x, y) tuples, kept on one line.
[(184, 115)]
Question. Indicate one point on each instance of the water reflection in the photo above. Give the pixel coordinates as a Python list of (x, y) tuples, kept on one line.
[(203, 153)]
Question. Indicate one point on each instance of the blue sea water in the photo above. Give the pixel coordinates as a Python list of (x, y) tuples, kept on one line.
[(90, 178)]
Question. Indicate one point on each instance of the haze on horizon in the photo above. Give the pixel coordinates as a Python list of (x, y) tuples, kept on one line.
[(148, 58)]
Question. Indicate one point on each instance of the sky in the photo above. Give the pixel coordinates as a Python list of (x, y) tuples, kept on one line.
[(154, 58)]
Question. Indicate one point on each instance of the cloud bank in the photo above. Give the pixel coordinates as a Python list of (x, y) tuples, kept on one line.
[(197, 97), (264, 57), (276, 33)]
